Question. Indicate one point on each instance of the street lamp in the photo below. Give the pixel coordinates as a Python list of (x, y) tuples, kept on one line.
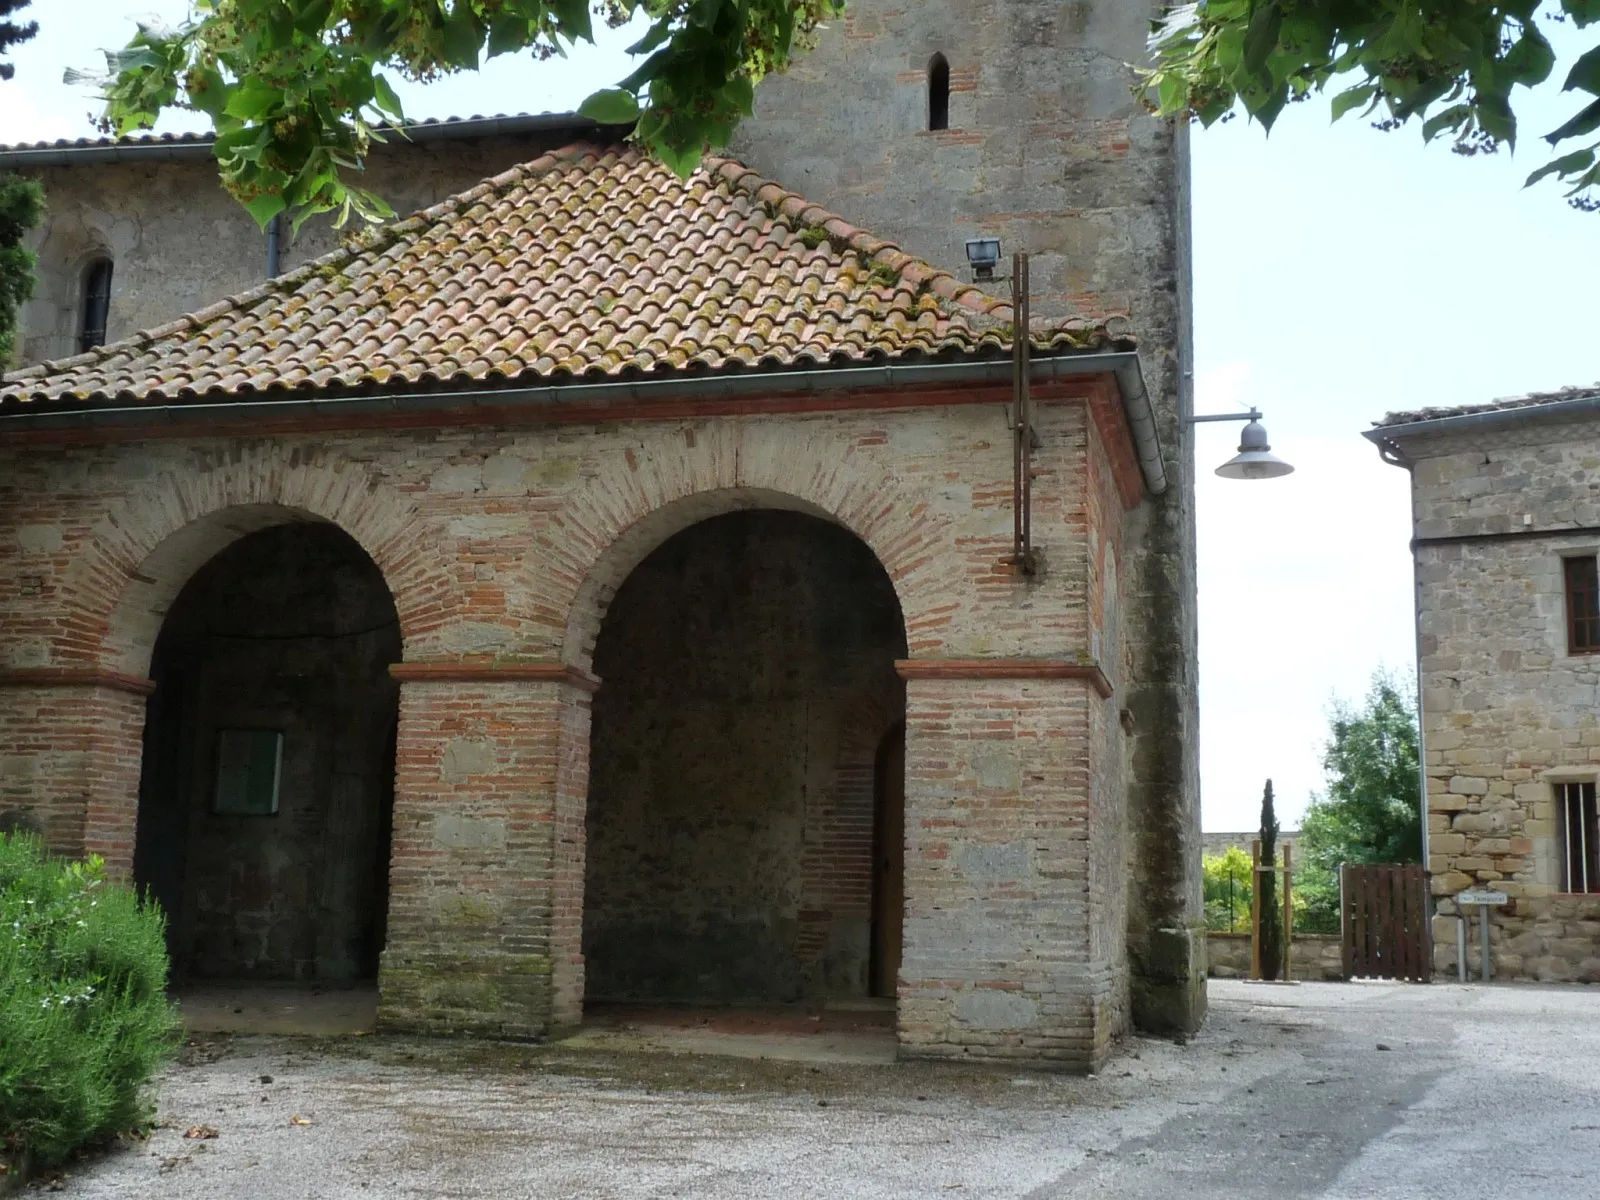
[(1255, 459)]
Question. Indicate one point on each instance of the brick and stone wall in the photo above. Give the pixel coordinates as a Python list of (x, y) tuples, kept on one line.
[(1048, 150), (1507, 712), (503, 549), (749, 677)]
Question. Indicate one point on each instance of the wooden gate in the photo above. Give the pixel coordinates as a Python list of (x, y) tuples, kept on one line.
[(1385, 922)]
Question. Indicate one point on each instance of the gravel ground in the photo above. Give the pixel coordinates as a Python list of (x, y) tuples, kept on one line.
[(1315, 1090)]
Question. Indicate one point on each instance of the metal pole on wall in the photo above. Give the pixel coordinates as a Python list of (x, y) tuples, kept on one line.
[(1022, 450), (1483, 936)]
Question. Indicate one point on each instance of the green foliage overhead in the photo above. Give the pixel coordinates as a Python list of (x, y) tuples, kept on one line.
[(84, 1016), (1450, 65), (298, 90), (21, 206), (1371, 811)]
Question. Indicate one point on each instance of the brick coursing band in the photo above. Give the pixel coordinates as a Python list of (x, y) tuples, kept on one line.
[(1005, 668), (88, 677), (494, 671)]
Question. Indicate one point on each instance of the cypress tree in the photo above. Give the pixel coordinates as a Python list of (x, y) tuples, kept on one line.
[(1271, 931)]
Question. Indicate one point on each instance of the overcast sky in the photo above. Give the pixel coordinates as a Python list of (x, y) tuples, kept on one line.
[(1339, 273)]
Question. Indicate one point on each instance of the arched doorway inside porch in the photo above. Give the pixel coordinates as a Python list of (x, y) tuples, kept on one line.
[(267, 788), (737, 776)]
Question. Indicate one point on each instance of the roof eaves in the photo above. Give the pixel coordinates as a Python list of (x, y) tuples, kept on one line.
[(1501, 414), (170, 147)]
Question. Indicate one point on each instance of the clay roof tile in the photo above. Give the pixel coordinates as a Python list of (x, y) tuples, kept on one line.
[(591, 261)]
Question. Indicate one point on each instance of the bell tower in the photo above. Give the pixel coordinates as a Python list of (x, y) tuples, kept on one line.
[(929, 122)]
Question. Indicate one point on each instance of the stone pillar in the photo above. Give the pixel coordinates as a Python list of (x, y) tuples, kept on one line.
[(1002, 892), (483, 924), (70, 749), (1166, 909)]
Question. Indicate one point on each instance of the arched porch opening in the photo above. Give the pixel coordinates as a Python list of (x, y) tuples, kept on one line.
[(267, 783), (748, 684)]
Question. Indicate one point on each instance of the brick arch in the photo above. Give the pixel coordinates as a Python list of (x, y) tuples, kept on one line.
[(624, 514), (140, 556)]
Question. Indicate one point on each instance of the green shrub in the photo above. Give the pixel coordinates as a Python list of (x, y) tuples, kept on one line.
[(1227, 885), (84, 1017)]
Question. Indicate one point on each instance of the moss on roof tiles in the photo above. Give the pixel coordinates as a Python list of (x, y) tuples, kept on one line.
[(608, 263)]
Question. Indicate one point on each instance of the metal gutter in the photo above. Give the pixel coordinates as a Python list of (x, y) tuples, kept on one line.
[(191, 147), (1142, 422), (1499, 418), (1122, 365)]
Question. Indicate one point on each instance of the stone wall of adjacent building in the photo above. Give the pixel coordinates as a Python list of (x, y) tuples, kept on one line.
[(1507, 712), (1213, 844), (178, 242), (503, 549), (1048, 150)]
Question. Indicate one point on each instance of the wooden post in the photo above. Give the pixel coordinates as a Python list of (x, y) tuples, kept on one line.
[(1255, 909), (1288, 911)]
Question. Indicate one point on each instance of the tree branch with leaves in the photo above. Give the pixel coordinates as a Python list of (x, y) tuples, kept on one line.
[(299, 90), (1453, 66), (13, 33), (21, 207), (1371, 811)]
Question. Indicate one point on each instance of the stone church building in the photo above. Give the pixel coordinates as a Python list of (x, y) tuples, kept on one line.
[(600, 586), (1506, 523)]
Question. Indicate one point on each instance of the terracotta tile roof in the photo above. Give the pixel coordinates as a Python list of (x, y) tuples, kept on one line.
[(1504, 404), (591, 263)]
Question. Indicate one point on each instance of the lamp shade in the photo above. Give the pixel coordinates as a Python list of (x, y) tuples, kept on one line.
[(1255, 459)]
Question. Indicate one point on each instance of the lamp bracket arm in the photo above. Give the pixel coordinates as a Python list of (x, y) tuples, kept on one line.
[(1253, 415)]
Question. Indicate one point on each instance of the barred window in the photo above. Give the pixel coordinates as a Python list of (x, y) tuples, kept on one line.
[(1579, 826)]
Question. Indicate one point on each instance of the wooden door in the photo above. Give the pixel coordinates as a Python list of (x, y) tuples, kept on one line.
[(888, 861), (1385, 918)]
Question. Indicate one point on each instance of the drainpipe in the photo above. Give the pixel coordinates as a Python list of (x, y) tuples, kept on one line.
[(275, 247)]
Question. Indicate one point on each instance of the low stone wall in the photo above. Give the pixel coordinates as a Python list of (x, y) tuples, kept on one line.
[(1312, 955)]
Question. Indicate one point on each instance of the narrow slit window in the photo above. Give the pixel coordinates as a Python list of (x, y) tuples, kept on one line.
[(1583, 606), (938, 93), (96, 304), (1580, 837)]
